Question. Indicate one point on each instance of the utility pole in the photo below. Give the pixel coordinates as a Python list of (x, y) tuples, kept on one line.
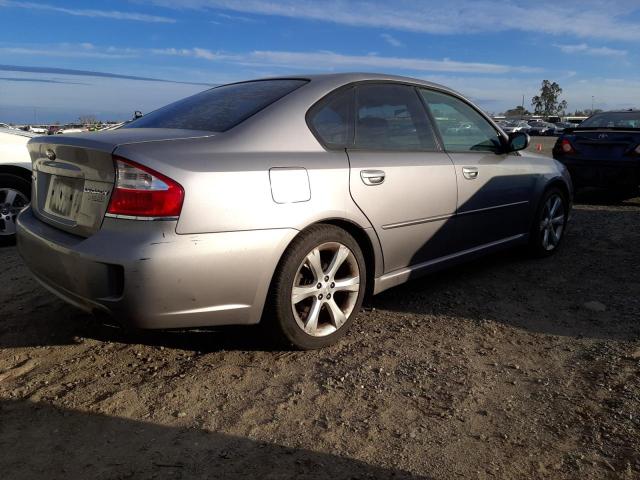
[(592, 97), (522, 111)]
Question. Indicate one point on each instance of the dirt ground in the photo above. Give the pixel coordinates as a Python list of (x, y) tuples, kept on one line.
[(506, 368)]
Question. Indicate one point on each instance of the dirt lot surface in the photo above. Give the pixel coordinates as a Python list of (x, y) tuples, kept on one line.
[(506, 368)]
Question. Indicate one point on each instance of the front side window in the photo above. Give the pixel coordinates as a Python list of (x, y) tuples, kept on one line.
[(391, 117), (461, 127), (220, 108), (332, 120)]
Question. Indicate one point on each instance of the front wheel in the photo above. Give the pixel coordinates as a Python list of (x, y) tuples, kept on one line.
[(549, 223), (15, 193), (318, 288)]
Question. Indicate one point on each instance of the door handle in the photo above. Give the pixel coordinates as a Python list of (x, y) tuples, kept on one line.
[(372, 177), (470, 173)]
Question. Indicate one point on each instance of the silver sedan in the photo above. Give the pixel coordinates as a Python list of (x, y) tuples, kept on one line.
[(283, 201)]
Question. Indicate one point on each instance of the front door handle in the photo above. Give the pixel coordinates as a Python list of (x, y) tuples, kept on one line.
[(470, 173), (372, 177)]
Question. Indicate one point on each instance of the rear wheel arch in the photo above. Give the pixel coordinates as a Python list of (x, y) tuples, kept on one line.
[(365, 244), (359, 235)]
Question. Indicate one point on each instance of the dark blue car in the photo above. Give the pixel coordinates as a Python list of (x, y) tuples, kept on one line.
[(603, 152)]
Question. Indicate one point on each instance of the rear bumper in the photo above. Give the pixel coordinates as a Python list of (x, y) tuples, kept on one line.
[(603, 173), (144, 275)]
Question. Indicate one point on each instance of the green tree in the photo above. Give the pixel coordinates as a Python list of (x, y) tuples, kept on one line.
[(548, 102), (518, 111)]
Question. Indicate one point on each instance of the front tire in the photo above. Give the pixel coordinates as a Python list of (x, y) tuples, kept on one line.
[(549, 223), (317, 289), (15, 194)]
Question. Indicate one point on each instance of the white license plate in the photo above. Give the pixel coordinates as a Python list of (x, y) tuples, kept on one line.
[(63, 197)]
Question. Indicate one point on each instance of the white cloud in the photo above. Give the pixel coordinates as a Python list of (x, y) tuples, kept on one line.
[(112, 14), (608, 19), (331, 60), (596, 51), (391, 40), (69, 51), (237, 18), (299, 61)]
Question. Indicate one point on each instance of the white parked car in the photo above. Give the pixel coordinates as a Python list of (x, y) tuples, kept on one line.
[(15, 179)]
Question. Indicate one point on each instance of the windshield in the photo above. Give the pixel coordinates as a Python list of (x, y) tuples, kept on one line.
[(613, 120), (220, 108)]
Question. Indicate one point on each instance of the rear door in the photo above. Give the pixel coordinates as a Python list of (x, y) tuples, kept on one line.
[(494, 189), (400, 178)]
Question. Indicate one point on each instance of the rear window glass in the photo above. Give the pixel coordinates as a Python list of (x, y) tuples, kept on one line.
[(220, 108), (613, 120)]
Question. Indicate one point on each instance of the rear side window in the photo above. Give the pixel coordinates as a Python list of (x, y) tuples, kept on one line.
[(220, 108), (391, 117), (332, 119)]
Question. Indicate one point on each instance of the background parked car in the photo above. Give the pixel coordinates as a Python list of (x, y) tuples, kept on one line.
[(516, 126), (604, 152), (562, 126), (15, 179), (541, 128)]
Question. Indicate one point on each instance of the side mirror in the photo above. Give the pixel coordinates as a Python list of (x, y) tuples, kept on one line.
[(518, 141), (137, 114)]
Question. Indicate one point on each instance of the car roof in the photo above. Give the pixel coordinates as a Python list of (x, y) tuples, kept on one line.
[(338, 79), (627, 110)]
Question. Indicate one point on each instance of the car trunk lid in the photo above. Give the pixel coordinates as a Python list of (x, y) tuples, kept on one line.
[(605, 144), (74, 176)]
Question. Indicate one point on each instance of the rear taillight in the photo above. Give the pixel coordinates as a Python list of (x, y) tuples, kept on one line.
[(142, 192), (566, 146)]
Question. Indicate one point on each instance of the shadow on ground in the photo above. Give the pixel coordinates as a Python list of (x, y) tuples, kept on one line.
[(103, 447)]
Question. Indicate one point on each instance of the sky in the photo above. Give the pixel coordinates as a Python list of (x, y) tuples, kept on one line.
[(63, 59)]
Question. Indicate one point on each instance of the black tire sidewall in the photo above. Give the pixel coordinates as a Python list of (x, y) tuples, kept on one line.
[(283, 282)]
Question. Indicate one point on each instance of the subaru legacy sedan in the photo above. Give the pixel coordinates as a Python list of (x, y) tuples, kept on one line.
[(282, 201)]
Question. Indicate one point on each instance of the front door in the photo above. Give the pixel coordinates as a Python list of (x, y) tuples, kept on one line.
[(494, 188)]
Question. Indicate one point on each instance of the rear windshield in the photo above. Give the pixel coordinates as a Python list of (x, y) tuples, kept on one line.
[(613, 120), (220, 108)]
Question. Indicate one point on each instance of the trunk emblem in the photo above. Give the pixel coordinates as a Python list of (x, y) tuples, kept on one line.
[(603, 135), (51, 155)]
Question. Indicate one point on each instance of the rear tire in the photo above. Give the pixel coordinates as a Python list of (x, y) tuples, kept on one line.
[(317, 288), (549, 223), (15, 194)]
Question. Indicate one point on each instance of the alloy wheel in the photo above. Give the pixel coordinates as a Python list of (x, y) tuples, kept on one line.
[(12, 202), (325, 289), (552, 222)]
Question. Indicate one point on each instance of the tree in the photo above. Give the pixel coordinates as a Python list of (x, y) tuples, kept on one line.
[(518, 111), (548, 102), (87, 119)]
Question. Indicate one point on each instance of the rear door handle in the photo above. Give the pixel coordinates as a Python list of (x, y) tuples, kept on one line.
[(470, 173), (372, 177)]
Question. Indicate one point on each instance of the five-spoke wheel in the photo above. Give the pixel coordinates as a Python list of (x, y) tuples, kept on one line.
[(549, 224), (325, 289), (318, 287), (14, 196)]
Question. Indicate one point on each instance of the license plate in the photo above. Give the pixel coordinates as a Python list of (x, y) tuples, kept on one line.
[(63, 197)]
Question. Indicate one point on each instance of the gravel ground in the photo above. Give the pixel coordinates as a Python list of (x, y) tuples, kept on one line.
[(505, 368)]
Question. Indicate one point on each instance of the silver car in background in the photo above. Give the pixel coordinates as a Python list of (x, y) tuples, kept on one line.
[(283, 200)]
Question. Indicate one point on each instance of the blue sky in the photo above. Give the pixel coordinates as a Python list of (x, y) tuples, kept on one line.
[(493, 51)]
